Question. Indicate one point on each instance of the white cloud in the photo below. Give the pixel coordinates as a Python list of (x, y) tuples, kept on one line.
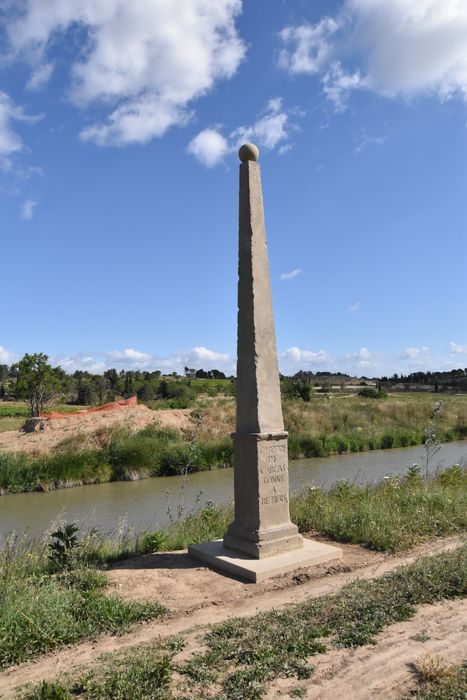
[(40, 76), (7, 357), (27, 210), (202, 354), (10, 141), (198, 357), (354, 307), (285, 149), (290, 275), (364, 361), (294, 359), (143, 63), (272, 128), (268, 131), (209, 147), (129, 355), (397, 49), (415, 353), (337, 85), (457, 349), (310, 46)]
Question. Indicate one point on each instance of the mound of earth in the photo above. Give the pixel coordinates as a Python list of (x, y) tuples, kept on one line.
[(44, 434)]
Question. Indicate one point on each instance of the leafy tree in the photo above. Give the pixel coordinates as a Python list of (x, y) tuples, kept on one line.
[(146, 392), (100, 387), (38, 382), (129, 385), (3, 373), (112, 379)]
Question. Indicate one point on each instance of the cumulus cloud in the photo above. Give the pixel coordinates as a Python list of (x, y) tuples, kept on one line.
[(131, 359), (396, 48), (273, 128), (290, 275), (143, 63), (209, 147), (269, 130), (129, 355), (306, 359), (457, 349), (415, 353), (27, 210), (365, 361), (307, 47)]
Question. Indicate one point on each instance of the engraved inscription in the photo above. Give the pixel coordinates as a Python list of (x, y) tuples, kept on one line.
[(273, 467)]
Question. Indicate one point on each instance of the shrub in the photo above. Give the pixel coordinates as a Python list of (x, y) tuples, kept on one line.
[(370, 393)]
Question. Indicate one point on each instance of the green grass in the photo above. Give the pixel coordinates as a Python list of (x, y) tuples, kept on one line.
[(142, 673), (44, 607), (242, 657), (392, 516), (125, 455), (19, 409), (10, 423)]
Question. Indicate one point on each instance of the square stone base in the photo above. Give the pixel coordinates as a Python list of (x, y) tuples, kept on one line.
[(215, 555)]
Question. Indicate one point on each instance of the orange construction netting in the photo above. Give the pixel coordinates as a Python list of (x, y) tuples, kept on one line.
[(113, 406)]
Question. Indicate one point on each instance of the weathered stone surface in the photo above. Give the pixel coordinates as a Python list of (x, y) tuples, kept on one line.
[(262, 524), (262, 529), (217, 556)]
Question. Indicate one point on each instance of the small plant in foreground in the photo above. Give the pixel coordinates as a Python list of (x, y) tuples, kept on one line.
[(432, 668), (63, 547), (450, 682), (420, 636)]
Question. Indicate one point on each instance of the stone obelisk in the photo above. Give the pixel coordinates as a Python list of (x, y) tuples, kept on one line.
[(262, 524), (261, 541)]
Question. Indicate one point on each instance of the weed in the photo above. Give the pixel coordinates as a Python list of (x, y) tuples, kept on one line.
[(421, 636), (451, 685), (432, 668)]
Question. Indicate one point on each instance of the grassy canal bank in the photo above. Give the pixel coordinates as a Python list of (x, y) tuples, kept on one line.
[(317, 428), (53, 589)]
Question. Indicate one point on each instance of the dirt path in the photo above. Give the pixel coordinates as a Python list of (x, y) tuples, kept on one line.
[(385, 670), (198, 597), (88, 428)]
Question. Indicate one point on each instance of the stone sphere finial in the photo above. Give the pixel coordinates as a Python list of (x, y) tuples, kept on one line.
[(248, 152)]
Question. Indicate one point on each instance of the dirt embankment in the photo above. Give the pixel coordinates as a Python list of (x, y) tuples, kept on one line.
[(49, 433)]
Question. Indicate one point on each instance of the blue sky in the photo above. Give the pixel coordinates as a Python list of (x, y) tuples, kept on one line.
[(119, 129)]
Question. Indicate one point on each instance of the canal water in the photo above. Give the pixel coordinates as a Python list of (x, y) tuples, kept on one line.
[(145, 504)]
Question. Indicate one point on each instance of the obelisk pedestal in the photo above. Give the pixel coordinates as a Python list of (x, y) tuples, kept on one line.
[(262, 541)]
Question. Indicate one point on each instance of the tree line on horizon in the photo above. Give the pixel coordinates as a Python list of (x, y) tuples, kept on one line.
[(35, 381)]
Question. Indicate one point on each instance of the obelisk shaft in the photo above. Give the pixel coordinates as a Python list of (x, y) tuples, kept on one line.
[(258, 391), (262, 525)]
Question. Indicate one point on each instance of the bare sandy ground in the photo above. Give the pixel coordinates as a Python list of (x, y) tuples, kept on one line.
[(197, 597), (386, 669), (89, 427)]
